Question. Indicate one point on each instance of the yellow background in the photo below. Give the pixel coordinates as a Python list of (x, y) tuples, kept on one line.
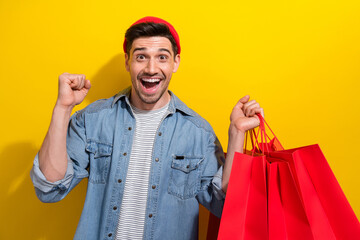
[(299, 59)]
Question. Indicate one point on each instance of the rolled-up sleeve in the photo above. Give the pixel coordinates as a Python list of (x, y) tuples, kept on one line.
[(217, 183), (78, 161), (40, 182)]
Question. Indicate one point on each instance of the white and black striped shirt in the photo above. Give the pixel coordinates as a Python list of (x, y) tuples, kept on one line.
[(133, 207)]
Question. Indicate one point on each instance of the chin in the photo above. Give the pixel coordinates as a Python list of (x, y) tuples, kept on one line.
[(150, 100)]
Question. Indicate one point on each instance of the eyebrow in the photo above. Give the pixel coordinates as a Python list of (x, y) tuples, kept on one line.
[(166, 50), (138, 49), (160, 50)]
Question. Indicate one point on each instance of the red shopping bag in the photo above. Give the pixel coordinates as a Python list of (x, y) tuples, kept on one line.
[(303, 198), (213, 227), (327, 209), (245, 211), (286, 216)]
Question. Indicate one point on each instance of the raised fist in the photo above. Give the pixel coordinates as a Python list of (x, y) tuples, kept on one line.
[(72, 89)]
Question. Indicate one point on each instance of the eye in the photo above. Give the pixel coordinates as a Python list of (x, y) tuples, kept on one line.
[(140, 57), (163, 57)]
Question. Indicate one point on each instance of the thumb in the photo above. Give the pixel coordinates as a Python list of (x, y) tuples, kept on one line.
[(237, 110), (244, 99), (87, 84)]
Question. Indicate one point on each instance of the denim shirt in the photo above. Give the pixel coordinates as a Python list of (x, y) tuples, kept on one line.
[(186, 169)]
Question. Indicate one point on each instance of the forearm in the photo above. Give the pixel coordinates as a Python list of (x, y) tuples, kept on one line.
[(235, 144), (243, 118), (53, 154)]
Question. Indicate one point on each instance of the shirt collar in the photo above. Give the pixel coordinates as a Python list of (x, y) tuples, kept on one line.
[(175, 103)]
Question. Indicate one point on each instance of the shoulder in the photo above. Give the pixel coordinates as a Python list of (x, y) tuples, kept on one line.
[(199, 121), (99, 105), (190, 115), (107, 103)]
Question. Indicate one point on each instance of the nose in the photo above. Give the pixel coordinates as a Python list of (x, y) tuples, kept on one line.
[(151, 67)]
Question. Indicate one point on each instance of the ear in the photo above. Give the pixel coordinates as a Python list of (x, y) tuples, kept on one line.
[(127, 59), (176, 62)]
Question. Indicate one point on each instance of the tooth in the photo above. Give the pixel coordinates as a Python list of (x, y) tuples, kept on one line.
[(151, 80)]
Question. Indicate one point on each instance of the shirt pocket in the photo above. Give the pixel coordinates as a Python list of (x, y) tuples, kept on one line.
[(100, 155), (185, 176)]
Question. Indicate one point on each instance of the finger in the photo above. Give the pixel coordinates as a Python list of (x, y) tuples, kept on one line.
[(80, 79), (256, 111), (250, 110), (82, 82), (248, 105), (83, 77), (76, 83), (87, 84)]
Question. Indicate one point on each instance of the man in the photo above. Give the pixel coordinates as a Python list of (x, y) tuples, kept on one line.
[(150, 159)]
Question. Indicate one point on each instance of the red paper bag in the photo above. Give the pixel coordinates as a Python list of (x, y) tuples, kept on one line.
[(327, 209), (245, 212), (286, 216), (303, 198), (213, 227)]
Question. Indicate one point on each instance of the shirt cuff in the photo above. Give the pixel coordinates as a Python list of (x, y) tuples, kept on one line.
[(40, 182), (216, 182)]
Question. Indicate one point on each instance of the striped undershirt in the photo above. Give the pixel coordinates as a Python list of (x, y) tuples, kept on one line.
[(133, 207)]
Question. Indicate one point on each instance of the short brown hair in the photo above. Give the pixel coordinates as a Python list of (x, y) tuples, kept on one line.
[(149, 29)]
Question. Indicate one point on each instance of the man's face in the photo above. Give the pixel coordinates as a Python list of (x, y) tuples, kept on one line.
[(151, 64)]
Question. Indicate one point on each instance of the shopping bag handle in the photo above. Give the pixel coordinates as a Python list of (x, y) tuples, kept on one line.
[(263, 135), (261, 118)]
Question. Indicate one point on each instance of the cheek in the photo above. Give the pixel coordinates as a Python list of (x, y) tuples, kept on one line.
[(168, 69), (134, 70)]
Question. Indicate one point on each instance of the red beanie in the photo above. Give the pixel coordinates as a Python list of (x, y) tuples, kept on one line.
[(158, 20)]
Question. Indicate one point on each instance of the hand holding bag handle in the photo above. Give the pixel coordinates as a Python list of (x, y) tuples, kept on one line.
[(264, 147)]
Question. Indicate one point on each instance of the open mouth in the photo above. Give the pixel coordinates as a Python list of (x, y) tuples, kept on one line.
[(150, 84)]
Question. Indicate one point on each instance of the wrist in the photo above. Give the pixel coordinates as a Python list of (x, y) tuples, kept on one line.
[(234, 131), (60, 108)]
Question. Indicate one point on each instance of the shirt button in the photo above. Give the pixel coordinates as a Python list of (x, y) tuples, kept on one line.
[(160, 133), (129, 128), (125, 154), (110, 234), (115, 207), (188, 166), (150, 215), (119, 180), (153, 186), (156, 159)]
